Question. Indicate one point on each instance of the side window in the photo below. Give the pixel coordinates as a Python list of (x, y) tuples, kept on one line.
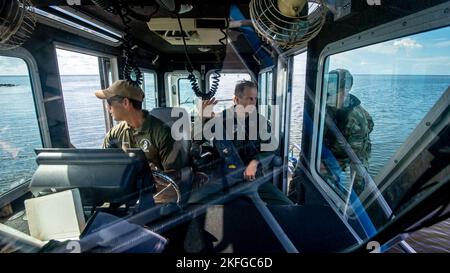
[(270, 93), (149, 87), (84, 112), (262, 83), (264, 93), (19, 129), (298, 98), (179, 90), (297, 111), (373, 97), (186, 96), (225, 90)]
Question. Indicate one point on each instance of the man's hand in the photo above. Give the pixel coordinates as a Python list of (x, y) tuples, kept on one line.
[(207, 108), (250, 170)]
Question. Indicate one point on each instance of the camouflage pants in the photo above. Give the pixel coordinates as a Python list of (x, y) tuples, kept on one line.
[(345, 175), (359, 182)]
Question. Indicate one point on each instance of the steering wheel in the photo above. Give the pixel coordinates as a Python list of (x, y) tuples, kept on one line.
[(167, 189)]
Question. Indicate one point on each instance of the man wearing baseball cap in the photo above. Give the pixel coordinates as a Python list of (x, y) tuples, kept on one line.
[(137, 128)]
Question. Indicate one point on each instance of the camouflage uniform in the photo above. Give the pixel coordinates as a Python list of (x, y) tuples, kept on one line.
[(355, 124)]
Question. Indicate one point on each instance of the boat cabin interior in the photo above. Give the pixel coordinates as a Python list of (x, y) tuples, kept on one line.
[(351, 131)]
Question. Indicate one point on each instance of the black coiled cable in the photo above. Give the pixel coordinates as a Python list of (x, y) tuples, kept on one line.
[(216, 74), (215, 79), (194, 85), (121, 8)]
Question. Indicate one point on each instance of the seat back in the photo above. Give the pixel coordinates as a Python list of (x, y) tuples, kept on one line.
[(179, 121), (178, 115)]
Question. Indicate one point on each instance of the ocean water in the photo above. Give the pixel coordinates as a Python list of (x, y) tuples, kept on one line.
[(396, 103), (84, 112), (19, 132)]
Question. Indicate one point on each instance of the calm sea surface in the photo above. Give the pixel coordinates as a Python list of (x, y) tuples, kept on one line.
[(396, 103)]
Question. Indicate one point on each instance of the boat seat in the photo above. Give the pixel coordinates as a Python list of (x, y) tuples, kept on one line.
[(180, 180)]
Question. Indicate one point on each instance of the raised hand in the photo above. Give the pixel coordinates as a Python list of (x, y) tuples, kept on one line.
[(208, 106)]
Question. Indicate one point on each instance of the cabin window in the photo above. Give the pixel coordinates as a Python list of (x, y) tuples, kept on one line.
[(179, 90), (269, 91), (372, 99), (84, 112), (225, 90), (262, 88), (149, 87), (186, 96), (298, 99), (265, 93), (19, 129)]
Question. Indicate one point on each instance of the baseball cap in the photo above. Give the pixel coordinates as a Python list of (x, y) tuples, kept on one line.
[(121, 88)]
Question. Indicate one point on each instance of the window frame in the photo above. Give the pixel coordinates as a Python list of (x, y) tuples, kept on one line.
[(114, 77), (228, 71), (420, 22), (291, 54), (151, 71), (95, 53), (36, 91), (168, 89), (38, 99), (178, 89), (72, 27), (265, 71)]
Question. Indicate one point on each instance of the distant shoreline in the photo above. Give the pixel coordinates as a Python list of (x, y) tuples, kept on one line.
[(8, 85)]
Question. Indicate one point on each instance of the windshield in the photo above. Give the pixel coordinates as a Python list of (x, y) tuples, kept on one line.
[(367, 141)]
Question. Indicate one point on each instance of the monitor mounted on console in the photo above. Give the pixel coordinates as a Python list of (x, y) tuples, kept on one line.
[(101, 175)]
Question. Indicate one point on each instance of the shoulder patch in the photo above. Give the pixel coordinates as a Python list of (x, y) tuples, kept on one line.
[(145, 145)]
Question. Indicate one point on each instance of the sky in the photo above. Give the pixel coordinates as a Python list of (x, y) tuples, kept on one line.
[(69, 63), (12, 66), (422, 54), (73, 63), (300, 64)]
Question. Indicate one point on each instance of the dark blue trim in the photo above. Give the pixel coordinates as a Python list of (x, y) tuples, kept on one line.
[(252, 38)]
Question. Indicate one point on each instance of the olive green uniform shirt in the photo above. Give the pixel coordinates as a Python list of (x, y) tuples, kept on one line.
[(154, 138)]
